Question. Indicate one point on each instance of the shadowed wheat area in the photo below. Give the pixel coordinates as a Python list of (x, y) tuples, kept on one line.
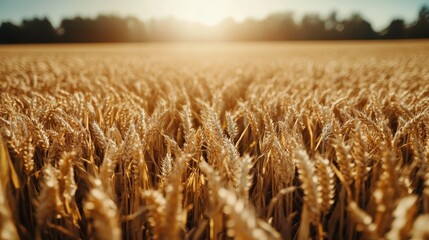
[(215, 141)]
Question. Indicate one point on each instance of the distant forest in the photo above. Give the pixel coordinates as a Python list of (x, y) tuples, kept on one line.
[(276, 27)]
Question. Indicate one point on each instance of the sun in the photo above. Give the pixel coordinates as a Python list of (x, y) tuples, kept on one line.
[(205, 11)]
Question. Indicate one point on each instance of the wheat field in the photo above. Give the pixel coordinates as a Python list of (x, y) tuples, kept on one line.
[(215, 141)]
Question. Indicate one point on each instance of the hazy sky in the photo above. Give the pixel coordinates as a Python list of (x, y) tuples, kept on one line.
[(378, 12)]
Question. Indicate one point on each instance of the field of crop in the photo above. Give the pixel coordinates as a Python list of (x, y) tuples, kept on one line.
[(215, 141)]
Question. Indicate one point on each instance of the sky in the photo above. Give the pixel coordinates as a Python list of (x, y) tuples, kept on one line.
[(209, 12)]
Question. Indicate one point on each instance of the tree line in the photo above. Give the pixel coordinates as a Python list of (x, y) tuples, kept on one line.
[(276, 27)]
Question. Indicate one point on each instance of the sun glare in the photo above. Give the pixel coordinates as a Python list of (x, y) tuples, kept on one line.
[(205, 11)]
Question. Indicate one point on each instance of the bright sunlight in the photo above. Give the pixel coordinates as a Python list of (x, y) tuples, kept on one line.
[(204, 11)]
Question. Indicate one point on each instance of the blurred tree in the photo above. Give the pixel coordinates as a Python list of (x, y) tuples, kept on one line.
[(289, 27), (333, 26), (136, 29), (395, 30), (10, 33), (38, 31), (111, 29), (104, 28), (227, 30), (312, 28), (279, 26), (77, 30), (356, 27), (420, 28)]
